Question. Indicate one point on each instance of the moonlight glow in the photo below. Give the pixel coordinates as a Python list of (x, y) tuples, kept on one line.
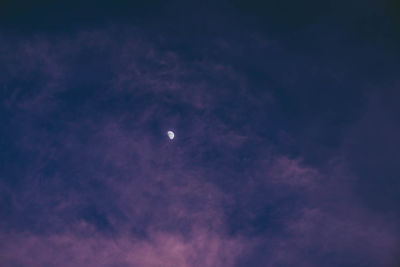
[(171, 135)]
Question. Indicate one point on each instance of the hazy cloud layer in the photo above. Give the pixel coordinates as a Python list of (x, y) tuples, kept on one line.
[(89, 177)]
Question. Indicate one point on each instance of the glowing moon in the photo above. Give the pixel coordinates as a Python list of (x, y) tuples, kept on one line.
[(171, 135)]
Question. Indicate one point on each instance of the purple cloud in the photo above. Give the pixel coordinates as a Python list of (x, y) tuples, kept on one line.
[(99, 184)]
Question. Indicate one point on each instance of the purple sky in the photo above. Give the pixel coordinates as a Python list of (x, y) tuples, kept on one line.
[(286, 121)]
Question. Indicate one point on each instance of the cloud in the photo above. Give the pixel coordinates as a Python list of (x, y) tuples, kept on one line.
[(100, 185), (85, 247)]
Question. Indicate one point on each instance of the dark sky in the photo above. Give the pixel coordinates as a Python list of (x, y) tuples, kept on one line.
[(287, 124)]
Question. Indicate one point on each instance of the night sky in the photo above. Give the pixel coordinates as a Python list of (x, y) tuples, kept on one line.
[(286, 117)]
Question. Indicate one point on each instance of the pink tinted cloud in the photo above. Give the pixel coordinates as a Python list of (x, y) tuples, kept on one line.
[(291, 172), (87, 248)]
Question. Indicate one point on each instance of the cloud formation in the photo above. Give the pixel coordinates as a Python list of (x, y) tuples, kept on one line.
[(96, 182)]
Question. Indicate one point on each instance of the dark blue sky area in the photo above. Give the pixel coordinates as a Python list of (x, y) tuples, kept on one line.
[(286, 121)]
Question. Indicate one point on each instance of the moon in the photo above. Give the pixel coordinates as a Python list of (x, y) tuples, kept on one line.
[(171, 135)]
